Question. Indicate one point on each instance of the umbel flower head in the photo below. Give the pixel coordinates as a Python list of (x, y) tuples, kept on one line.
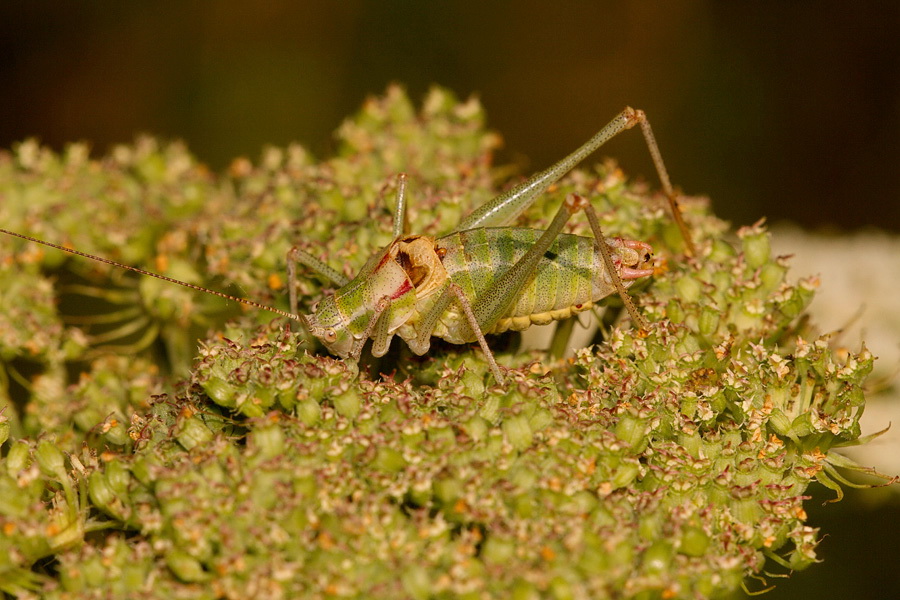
[(666, 463)]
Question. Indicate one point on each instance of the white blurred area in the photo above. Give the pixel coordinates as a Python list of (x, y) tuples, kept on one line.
[(859, 296)]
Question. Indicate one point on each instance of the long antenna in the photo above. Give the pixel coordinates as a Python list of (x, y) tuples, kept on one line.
[(199, 288)]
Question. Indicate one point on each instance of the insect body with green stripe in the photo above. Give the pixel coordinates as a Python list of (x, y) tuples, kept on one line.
[(484, 277)]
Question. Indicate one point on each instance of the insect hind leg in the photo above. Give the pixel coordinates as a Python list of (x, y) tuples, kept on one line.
[(503, 209)]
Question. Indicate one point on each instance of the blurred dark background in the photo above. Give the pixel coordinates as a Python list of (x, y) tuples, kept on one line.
[(789, 110)]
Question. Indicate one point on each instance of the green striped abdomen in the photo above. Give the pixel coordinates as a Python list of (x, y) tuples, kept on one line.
[(568, 279)]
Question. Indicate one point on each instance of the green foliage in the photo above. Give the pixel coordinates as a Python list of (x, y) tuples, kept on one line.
[(670, 464)]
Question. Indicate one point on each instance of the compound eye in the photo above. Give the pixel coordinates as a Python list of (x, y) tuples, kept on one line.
[(330, 335)]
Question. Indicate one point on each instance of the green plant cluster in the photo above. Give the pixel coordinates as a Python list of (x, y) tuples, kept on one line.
[(659, 464)]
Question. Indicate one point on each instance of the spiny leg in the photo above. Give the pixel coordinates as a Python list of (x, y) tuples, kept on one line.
[(476, 329), (663, 175), (503, 209)]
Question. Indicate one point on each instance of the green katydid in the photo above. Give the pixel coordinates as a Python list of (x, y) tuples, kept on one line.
[(484, 277)]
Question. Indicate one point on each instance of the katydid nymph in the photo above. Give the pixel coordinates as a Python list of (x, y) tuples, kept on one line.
[(484, 277)]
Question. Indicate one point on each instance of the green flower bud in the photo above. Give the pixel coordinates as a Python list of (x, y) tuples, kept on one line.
[(309, 411), (498, 550), (689, 289), (658, 557), (256, 404), (142, 469), (540, 419), (771, 276), (267, 441), (693, 443), (50, 460), (756, 248), (287, 398), (518, 432), (749, 315), (694, 541), (523, 590), (490, 411), (560, 589), (348, 403), (582, 502), (448, 490), (389, 460), (477, 428), (473, 381), (316, 384), (624, 475), (747, 511), (779, 422), (632, 431), (525, 506), (91, 574), (118, 476), (721, 251), (419, 496), (185, 567), (416, 582), (192, 432), (18, 458), (116, 433), (805, 552), (101, 492), (15, 502), (674, 311), (220, 391), (442, 436), (709, 320)]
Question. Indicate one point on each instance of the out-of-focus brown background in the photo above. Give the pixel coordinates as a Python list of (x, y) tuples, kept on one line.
[(773, 109), (779, 109)]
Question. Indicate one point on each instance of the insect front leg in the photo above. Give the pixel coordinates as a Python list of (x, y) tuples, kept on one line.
[(296, 255)]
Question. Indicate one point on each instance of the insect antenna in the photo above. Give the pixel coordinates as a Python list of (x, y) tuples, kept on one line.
[(192, 286)]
